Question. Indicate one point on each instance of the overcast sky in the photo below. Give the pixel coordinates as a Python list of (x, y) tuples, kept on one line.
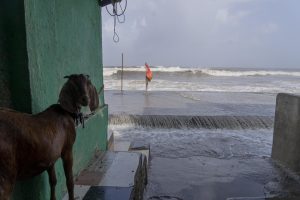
[(206, 33)]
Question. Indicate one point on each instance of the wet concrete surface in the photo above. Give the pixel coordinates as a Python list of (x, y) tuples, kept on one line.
[(206, 164), (211, 164), (109, 193), (192, 103), (219, 179)]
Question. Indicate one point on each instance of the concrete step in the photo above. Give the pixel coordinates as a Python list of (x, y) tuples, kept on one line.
[(140, 147), (113, 176), (136, 146), (121, 146)]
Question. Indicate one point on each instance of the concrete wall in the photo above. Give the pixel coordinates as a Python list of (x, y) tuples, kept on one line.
[(286, 141), (40, 42), (14, 80), (63, 37)]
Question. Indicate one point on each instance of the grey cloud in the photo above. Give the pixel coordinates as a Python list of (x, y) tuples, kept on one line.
[(241, 33)]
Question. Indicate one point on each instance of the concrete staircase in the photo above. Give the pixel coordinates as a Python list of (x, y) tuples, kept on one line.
[(117, 174)]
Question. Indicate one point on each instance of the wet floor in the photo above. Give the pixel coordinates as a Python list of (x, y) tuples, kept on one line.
[(210, 164), (190, 103), (207, 163)]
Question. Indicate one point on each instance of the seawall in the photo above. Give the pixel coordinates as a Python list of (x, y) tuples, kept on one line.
[(286, 142)]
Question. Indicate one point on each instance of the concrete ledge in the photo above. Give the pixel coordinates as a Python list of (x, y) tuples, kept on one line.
[(110, 140), (113, 176), (286, 139)]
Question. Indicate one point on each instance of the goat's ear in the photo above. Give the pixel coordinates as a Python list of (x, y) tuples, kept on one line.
[(67, 76), (66, 98), (94, 98)]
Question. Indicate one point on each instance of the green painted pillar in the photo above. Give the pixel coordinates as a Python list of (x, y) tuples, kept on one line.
[(41, 41), (14, 79)]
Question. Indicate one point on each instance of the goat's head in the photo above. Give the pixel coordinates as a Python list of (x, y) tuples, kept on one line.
[(78, 91)]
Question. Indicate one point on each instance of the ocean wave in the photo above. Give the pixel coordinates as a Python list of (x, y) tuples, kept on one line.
[(110, 71), (214, 72), (201, 86)]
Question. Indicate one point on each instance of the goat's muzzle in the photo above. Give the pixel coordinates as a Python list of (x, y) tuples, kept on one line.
[(84, 100)]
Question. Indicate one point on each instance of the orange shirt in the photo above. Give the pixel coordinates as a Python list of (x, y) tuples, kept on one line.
[(148, 72)]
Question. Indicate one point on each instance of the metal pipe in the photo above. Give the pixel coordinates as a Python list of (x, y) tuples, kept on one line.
[(122, 73)]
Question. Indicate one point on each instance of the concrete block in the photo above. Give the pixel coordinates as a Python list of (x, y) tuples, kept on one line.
[(286, 141), (113, 175), (121, 145), (141, 147), (122, 171)]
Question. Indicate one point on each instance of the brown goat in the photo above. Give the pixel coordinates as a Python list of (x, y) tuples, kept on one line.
[(31, 144)]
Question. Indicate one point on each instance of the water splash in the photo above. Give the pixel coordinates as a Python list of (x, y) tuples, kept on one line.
[(179, 122)]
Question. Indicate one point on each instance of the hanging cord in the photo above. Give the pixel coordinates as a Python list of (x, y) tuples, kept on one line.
[(117, 16)]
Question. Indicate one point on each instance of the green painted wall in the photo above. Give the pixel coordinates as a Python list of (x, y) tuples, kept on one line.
[(14, 80), (63, 37), (41, 41)]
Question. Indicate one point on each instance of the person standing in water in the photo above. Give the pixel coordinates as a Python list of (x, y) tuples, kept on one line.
[(148, 75)]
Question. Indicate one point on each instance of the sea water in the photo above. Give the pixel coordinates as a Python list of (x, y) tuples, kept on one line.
[(210, 130), (205, 79)]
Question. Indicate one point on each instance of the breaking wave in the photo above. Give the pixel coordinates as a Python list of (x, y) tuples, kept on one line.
[(115, 71)]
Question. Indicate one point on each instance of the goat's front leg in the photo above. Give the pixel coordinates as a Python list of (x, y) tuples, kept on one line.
[(6, 187), (67, 158), (8, 175), (52, 181)]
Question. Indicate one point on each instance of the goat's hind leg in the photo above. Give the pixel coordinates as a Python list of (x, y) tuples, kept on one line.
[(52, 181), (8, 175), (67, 158)]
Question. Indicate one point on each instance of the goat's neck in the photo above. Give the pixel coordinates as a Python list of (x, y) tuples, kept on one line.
[(56, 112)]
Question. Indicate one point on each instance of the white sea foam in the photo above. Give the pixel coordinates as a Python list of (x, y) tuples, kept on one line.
[(208, 80), (164, 85), (234, 73), (108, 71)]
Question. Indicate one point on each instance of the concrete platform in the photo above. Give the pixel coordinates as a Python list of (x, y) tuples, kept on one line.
[(113, 176), (208, 164), (191, 103)]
